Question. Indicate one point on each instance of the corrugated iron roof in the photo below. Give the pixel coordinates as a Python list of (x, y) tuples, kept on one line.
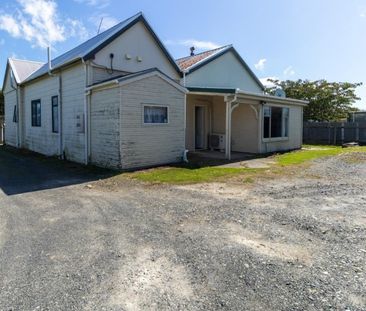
[(189, 62), (83, 49), (87, 49), (22, 69)]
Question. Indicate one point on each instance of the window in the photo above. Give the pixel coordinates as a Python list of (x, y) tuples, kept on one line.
[(155, 114), (54, 114), (275, 122), (15, 114), (36, 112)]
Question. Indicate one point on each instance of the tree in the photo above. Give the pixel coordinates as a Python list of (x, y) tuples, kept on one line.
[(328, 101)]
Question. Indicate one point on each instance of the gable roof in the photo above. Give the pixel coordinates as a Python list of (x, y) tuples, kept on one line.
[(89, 48), (132, 77), (189, 62), (21, 69), (192, 63)]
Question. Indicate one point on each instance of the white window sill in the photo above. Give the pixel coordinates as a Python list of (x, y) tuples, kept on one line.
[(273, 140)]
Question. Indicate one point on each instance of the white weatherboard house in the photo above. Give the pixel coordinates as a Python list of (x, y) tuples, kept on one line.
[(119, 100)]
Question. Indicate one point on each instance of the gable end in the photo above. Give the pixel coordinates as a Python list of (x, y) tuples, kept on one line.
[(141, 18)]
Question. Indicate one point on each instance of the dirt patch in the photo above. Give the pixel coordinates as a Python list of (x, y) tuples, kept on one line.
[(263, 246), (149, 281)]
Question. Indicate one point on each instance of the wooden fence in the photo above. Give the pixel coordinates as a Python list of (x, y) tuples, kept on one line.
[(334, 133)]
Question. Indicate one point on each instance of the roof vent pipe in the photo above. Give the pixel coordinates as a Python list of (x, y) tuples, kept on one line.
[(192, 50), (49, 59)]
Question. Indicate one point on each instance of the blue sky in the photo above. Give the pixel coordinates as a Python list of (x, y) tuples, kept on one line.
[(286, 39)]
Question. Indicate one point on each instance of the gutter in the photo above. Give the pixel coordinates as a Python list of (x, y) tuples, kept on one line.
[(86, 115), (17, 96), (270, 98)]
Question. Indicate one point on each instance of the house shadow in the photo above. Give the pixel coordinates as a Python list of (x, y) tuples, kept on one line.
[(24, 171)]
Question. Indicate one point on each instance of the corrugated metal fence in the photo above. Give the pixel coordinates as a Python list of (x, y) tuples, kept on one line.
[(334, 133)]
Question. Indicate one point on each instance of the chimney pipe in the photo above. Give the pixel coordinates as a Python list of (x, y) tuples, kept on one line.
[(192, 50), (49, 59)]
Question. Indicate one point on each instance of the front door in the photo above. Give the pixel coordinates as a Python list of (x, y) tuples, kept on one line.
[(199, 127)]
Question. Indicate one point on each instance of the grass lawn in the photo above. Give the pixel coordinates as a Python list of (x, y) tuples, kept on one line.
[(183, 175), (190, 175), (310, 152)]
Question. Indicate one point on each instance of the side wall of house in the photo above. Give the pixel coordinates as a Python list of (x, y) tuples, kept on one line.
[(40, 139), (224, 72), (10, 101), (151, 144), (105, 128), (294, 140), (73, 100), (244, 129), (135, 50)]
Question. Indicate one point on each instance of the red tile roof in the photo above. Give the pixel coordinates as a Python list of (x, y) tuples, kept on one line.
[(189, 61)]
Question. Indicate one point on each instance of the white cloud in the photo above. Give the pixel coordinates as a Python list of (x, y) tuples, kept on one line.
[(9, 24), (100, 4), (202, 45), (39, 22), (289, 71), (108, 21), (363, 14), (260, 65), (265, 81)]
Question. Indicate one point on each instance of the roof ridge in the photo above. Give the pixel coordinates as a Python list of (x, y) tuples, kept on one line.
[(26, 60), (100, 34), (109, 29), (219, 48)]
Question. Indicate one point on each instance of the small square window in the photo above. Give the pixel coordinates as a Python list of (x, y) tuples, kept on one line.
[(155, 114), (275, 122)]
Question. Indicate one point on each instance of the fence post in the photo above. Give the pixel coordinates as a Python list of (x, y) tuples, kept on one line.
[(357, 132), (335, 134), (329, 131), (342, 133)]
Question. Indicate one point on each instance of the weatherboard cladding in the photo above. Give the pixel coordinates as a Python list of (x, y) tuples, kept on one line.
[(153, 144)]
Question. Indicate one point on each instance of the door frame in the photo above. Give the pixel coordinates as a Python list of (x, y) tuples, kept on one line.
[(203, 126)]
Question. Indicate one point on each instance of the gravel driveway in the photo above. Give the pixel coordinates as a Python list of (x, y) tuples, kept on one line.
[(69, 242)]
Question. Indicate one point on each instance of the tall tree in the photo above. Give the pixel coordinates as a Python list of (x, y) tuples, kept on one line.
[(328, 101)]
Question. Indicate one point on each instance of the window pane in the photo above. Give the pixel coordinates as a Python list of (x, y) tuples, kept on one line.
[(55, 114), (36, 112), (276, 122), (266, 121), (285, 112), (266, 127), (155, 114), (267, 111)]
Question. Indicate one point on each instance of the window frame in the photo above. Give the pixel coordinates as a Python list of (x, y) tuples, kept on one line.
[(58, 114), (157, 106), (283, 126), (35, 122)]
